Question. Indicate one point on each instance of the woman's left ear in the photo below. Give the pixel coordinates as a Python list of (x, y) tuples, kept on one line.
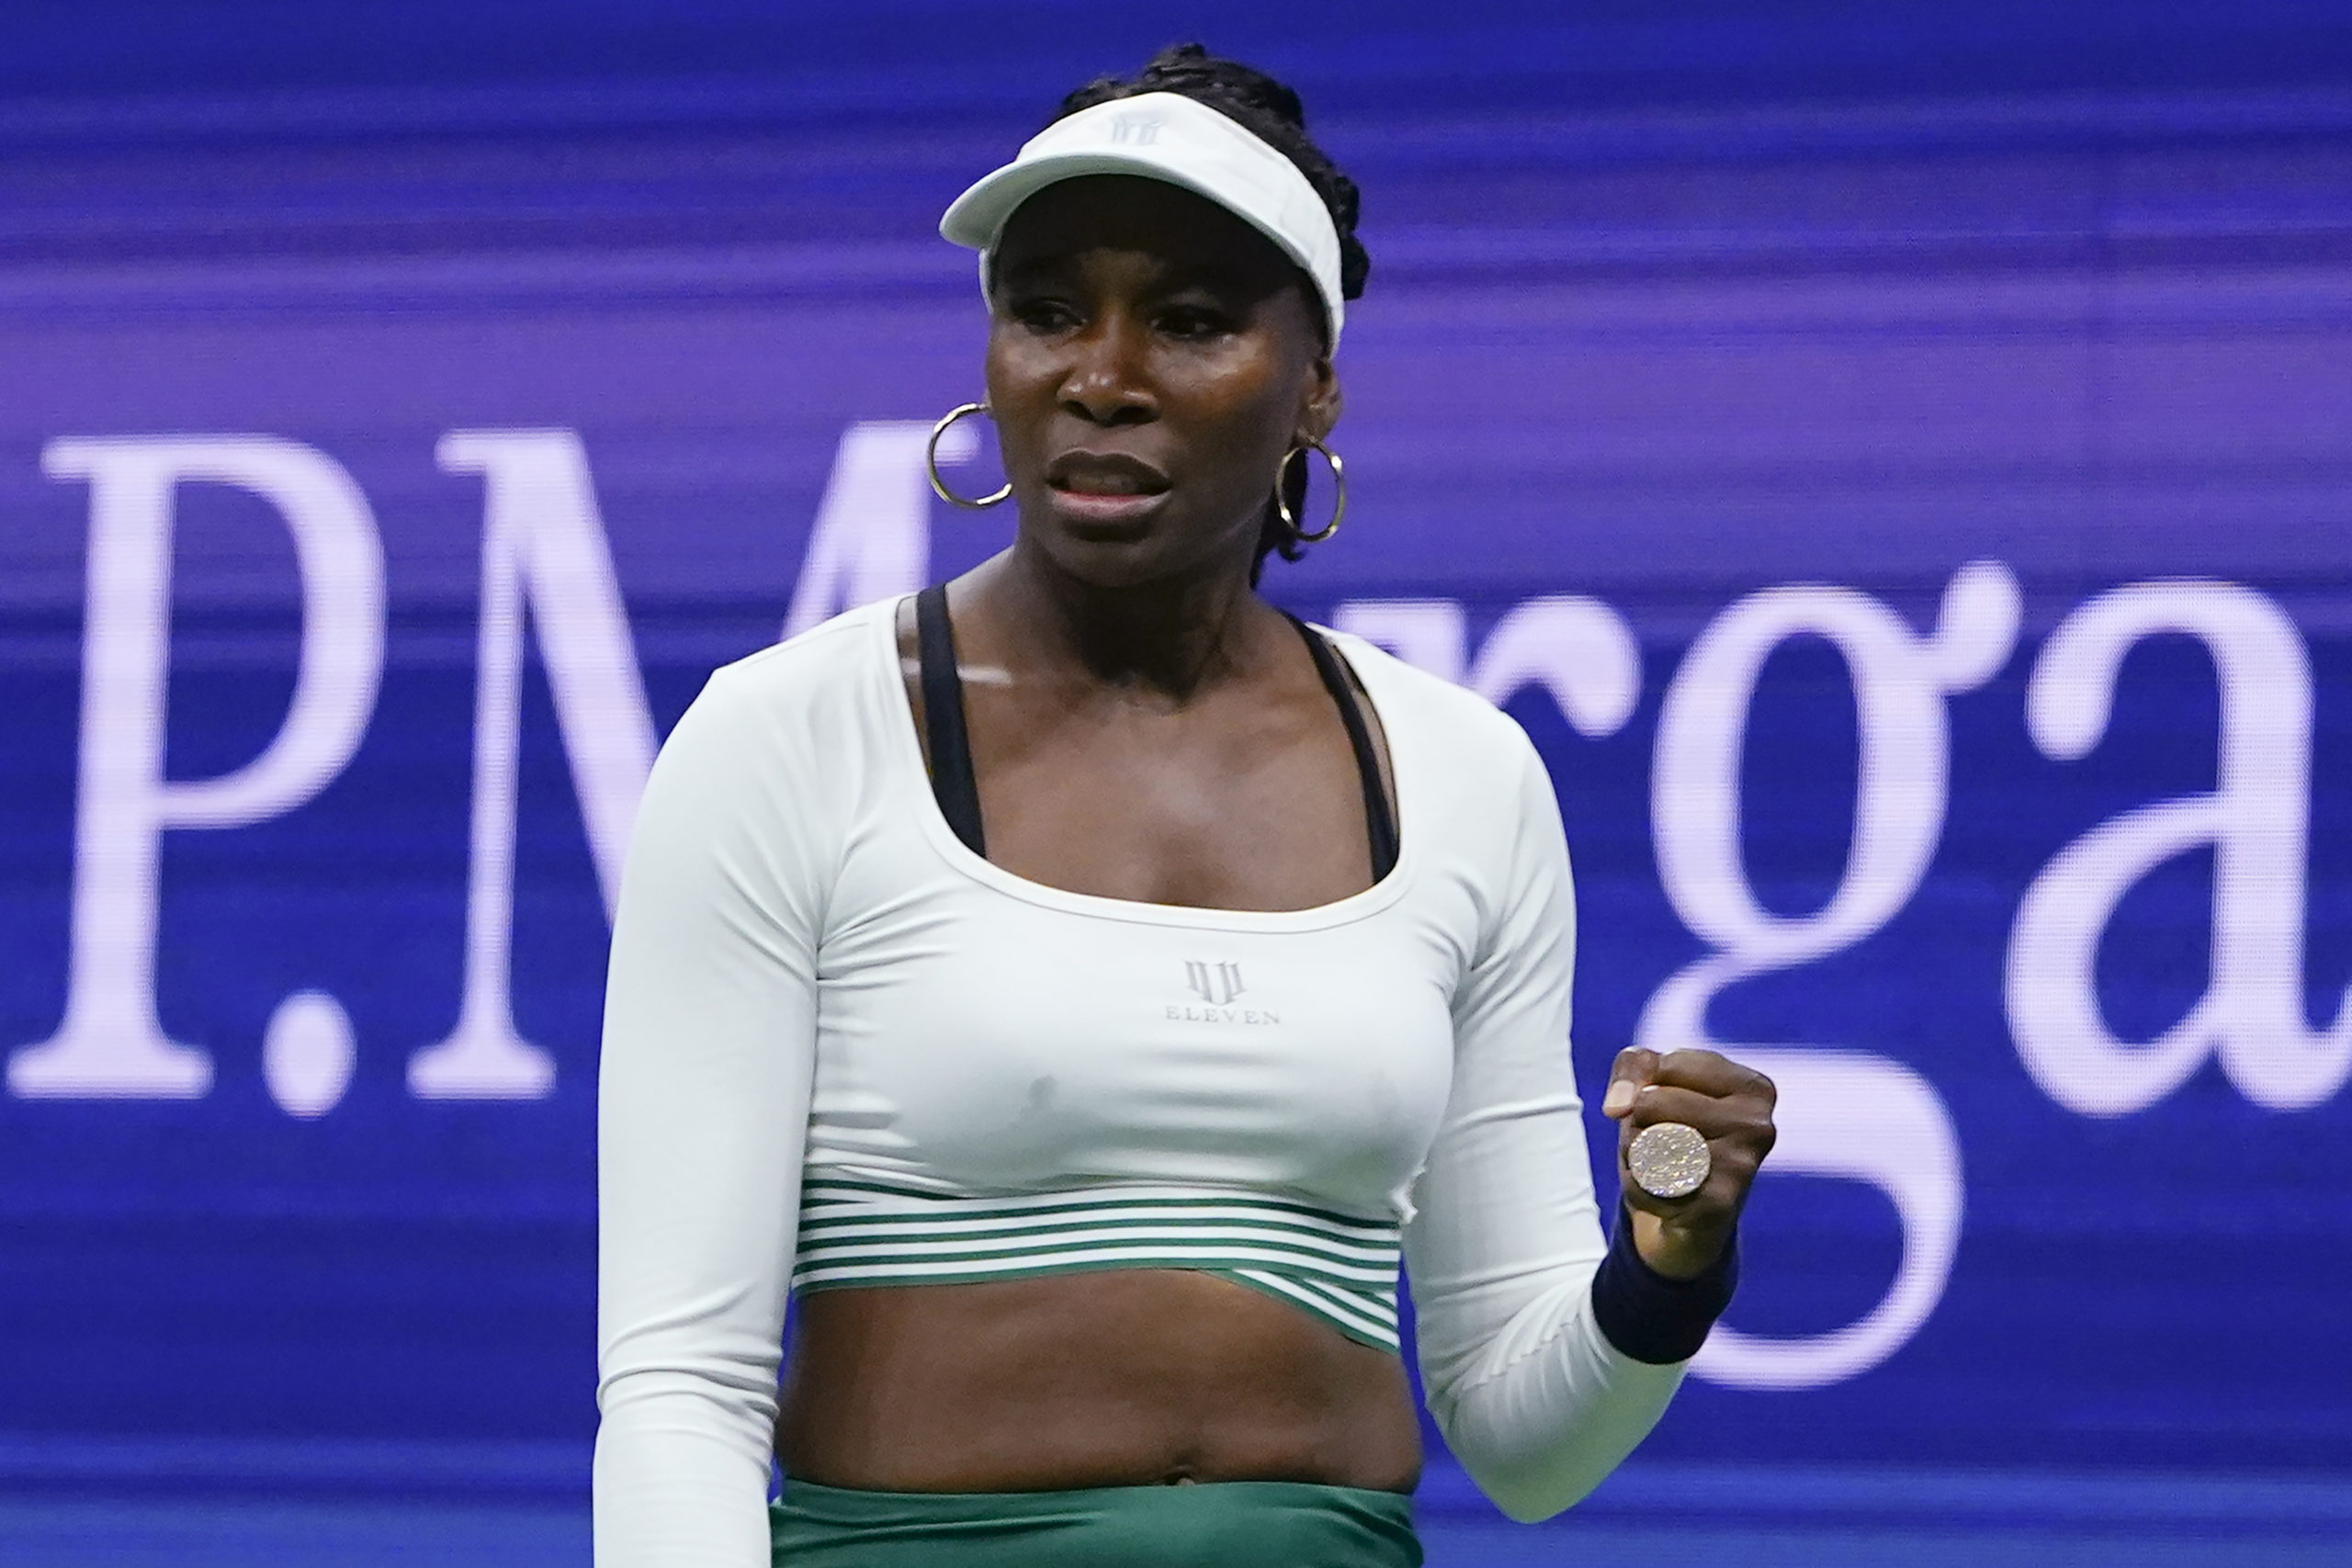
[(1324, 404)]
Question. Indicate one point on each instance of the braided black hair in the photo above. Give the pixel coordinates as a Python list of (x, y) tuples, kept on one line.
[(1270, 112)]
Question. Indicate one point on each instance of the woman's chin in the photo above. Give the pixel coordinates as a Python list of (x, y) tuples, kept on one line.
[(1112, 540), (1121, 546), (1106, 556), (1112, 519)]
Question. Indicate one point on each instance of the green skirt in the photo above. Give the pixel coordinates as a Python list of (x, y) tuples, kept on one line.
[(1225, 1524)]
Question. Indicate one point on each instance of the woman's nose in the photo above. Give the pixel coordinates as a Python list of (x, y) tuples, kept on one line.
[(1106, 383)]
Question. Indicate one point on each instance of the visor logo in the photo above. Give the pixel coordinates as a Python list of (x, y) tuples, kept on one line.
[(1134, 131)]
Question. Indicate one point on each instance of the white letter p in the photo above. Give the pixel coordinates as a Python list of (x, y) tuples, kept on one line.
[(111, 1042)]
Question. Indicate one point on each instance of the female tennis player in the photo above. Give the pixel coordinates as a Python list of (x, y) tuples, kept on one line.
[(1081, 984)]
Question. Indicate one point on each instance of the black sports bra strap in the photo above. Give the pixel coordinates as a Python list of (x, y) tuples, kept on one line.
[(1378, 820), (952, 779)]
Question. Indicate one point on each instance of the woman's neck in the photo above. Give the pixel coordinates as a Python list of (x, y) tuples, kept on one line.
[(1173, 638)]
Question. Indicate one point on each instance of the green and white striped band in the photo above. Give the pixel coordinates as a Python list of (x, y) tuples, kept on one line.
[(1337, 1267)]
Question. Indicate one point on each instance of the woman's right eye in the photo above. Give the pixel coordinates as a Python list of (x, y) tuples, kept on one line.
[(1042, 314)]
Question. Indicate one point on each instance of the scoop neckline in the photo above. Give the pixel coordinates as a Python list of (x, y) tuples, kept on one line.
[(907, 752)]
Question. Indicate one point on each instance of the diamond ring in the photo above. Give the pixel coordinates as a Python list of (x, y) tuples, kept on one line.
[(1669, 1159)]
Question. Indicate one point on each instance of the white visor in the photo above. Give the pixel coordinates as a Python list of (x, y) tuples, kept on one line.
[(1163, 136)]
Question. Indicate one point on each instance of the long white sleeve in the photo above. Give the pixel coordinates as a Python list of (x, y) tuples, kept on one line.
[(703, 1112), (1501, 1252)]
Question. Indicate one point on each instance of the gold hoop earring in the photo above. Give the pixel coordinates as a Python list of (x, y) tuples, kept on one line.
[(931, 463), (1338, 496)]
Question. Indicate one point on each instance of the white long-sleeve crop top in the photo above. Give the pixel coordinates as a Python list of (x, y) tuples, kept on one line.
[(823, 1010)]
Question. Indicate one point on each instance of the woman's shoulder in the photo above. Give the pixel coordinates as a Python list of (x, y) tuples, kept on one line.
[(811, 701), (825, 675), (826, 659), (1432, 716), (1471, 781)]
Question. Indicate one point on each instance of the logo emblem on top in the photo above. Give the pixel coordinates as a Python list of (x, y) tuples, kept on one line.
[(1216, 984)]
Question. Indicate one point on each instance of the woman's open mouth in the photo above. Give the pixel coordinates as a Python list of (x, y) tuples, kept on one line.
[(1105, 487)]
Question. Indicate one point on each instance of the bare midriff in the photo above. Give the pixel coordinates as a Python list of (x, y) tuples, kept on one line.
[(1118, 1378)]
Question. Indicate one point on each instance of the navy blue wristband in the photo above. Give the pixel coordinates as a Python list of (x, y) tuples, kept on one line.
[(1650, 1317)]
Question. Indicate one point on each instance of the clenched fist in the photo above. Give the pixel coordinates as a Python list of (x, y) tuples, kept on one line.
[(1731, 1107)]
